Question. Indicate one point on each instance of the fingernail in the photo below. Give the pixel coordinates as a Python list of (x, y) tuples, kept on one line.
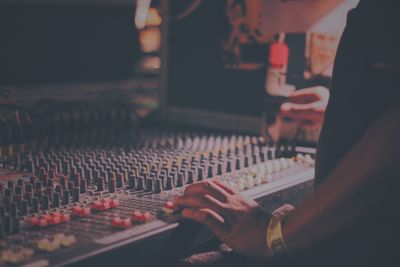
[(285, 107)]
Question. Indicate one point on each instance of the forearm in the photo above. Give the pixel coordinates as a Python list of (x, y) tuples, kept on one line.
[(353, 189)]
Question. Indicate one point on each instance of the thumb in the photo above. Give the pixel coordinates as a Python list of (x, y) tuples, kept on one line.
[(286, 107)]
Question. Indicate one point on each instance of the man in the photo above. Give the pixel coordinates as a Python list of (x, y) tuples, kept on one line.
[(349, 220)]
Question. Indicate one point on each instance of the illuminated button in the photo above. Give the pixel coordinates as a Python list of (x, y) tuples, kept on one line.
[(114, 203), (68, 241), (308, 160), (16, 256), (65, 240), (118, 222), (169, 207), (33, 221), (80, 211), (49, 245), (59, 236), (42, 221), (141, 217), (101, 205), (96, 204), (27, 252), (65, 217), (54, 218), (105, 206), (38, 221)]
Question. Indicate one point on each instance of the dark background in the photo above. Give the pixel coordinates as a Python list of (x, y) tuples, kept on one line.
[(197, 77), (46, 43)]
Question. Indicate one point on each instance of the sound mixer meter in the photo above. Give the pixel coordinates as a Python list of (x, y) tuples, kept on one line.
[(62, 204)]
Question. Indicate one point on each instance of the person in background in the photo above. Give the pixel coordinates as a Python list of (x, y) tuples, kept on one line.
[(351, 218)]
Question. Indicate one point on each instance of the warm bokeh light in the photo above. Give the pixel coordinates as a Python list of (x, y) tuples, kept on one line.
[(150, 40), (153, 18), (322, 53)]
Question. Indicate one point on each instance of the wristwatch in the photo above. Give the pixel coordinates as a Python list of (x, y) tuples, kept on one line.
[(275, 241)]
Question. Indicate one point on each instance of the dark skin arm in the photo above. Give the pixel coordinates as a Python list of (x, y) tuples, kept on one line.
[(356, 187), (342, 200)]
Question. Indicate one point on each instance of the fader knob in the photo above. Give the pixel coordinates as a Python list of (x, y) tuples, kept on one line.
[(23, 207), (219, 169), (210, 172), (7, 224), (140, 182), (149, 185), (11, 186), (262, 156), (100, 184), (229, 166), (170, 182), (237, 164), (120, 180), (66, 197), (2, 230), (2, 212), (7, 203), (180, 180), (16, 225), (8, 193), (13, 209), (84, 185), (158, 186), (131, 180), (246, 161), (45, 202), (190, 177), (1, 191), (200, 175), (112, 185), (76, 195), (35, 204), (18, 190), (254, 159)]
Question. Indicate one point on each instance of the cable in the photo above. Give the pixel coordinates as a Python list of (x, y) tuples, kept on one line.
[(189, 10)]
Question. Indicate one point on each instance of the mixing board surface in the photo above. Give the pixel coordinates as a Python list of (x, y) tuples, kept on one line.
[(62, 204)]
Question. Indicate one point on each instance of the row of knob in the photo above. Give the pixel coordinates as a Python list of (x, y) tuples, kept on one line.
[(154, 163), (20, 255)]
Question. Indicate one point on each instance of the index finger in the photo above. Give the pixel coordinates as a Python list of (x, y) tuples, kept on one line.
[(224, 186), (206, 187)]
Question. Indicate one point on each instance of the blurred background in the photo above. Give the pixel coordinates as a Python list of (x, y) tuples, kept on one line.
[(229, 56), (70, 50)]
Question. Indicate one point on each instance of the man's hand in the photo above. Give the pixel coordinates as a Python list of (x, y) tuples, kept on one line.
[(239, 222), (306, 106)]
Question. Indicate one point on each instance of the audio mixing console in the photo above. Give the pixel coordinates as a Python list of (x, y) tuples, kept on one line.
[(61, 204)]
